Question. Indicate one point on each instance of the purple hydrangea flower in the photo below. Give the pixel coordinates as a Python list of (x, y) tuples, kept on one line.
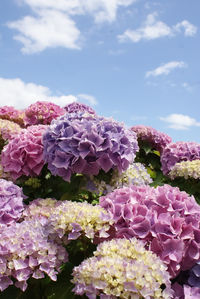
[(156, 139), (185, 292), (78, 107), (194, 276), (86, 145), (23, 155), (167, 219), (177, 152), (11, 202), (28, 251)]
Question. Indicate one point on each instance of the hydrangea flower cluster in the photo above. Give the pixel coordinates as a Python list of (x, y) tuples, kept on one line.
[(23, 155), (122, 269), (136, 174), (167, 219), (156, 139), (86, 145), (185, 292), (178, 152), (8, 129), (78, 107), (11, 202), (12, 114), (71, 218), (27, 251), (186, 169), (42, 113)]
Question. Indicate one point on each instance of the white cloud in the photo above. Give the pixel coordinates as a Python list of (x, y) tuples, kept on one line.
[(189, 29), (53, 24), (88, 98), (15, 92), (153, 29), (101, 10), (49, 29), (180, 121), (165, 69)]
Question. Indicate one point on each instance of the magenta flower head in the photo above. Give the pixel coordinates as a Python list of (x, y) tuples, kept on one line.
[(156, 139), (167, 219), (11, 202), (177, 152), (28, 249), (23, 155), (42, 113), (78, 107), (12, 114), (85, 144)]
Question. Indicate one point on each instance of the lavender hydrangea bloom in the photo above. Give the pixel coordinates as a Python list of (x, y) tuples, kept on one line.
[(177, 152), (86, 145), (78, 107), (122, 269), (11, 202), (28, 251), (157, 139), (167, 219)]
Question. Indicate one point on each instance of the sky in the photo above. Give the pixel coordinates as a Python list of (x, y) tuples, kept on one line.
[(135, 60)]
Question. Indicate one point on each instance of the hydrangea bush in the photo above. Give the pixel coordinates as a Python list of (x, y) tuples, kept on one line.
[(60, 238)]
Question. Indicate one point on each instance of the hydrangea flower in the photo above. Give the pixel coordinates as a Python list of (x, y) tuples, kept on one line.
[(178, 152), (136, 174), (156, 139), (23, 155), (12, 114), (186, 169), (167, 219), (86, 145), (8, 129), (78, 107), (11, 202), (194, 276), (185, 292), (41, 208), (71, 218), (42, 113), (28, 251), (122, 269)]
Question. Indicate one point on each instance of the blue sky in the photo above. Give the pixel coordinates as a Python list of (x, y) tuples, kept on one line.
[(135, 60)]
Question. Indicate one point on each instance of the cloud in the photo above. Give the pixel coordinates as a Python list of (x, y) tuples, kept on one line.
[(49, 29), (100, 10), (189, 29), (88, 98), (180, 121), (53, 25), (15, 92), (166, 68), (153, 29)]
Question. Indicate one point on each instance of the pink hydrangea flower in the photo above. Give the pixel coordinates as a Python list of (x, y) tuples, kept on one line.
[(10, 113), (42, 113), (8, 129), (23, 155), (167, 219), (156, 139)]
